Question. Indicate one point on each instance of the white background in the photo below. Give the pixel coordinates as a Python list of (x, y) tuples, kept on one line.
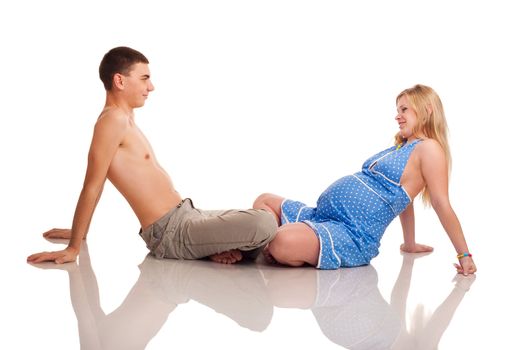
[(251, 97)]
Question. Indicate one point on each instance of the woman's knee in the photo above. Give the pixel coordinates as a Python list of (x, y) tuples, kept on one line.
[(261, 202), (295, 244), (283, 249), (271, 203)]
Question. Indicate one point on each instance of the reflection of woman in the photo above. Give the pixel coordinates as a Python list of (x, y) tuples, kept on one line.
[(346, 303), (426, 328), (352, 312), (352, 214)]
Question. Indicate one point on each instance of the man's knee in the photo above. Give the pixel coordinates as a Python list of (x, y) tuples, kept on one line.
[(266, 226)]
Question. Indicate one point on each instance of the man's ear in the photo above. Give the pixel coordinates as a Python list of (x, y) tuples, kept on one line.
[(118, 81)]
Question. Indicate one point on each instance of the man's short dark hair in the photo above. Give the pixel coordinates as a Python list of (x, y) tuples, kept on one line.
[(118, 60)]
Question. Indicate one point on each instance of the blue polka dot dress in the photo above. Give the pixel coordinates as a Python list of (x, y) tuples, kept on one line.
[(353, 213)]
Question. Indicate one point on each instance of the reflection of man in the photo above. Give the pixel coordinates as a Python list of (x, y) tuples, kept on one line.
[(235, 291), (131, 326)]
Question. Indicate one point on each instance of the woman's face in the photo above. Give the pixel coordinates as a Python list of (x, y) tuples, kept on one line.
[(406, 118)]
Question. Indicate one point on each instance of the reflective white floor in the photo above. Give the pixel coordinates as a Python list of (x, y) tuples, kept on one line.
[(401, 301)]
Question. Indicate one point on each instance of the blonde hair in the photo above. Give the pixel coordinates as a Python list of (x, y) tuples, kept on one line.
[(431, 122)]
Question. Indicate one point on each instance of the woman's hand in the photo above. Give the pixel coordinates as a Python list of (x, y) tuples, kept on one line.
[(58, 233), (416, 248), (466, 266)]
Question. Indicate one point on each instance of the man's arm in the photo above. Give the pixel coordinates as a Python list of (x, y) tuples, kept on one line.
[(107, 136)]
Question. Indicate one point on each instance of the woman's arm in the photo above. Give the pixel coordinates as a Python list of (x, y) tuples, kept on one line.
[(434, 169), (407, 219)]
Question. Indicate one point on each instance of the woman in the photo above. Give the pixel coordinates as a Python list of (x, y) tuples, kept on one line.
[(352, 214)]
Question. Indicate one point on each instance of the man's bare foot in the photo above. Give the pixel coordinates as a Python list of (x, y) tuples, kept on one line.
[(229, 257)]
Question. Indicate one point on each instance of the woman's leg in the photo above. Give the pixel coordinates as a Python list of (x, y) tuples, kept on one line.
[(295, 244), (270, 202)]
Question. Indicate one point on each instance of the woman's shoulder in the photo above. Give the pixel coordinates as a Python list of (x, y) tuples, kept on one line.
[(430, 148)]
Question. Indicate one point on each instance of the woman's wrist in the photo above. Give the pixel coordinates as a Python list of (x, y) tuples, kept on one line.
[(464, 255)]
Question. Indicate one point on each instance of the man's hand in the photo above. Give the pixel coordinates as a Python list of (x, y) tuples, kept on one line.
[(59, 257), (58, 233)]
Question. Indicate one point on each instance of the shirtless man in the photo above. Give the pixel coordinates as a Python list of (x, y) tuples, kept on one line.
[(170, 226)]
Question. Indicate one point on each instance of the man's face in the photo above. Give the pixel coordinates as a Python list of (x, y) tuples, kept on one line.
[(137, 84)]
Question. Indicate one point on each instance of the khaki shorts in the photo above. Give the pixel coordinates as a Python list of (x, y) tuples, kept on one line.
[(189, 233)]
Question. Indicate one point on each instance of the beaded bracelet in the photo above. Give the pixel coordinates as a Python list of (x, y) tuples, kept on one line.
[(464, 255)]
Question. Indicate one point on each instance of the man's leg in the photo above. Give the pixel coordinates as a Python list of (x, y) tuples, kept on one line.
[(229, 257), (208, 233)]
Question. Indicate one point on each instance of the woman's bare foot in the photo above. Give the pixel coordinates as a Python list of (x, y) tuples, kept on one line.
[(268, 257), (229, 257)]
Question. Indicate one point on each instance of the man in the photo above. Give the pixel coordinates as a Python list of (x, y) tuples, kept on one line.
[(170, 226)]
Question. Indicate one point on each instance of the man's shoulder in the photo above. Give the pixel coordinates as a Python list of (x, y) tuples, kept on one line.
[(113, 113), (113, 116)]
